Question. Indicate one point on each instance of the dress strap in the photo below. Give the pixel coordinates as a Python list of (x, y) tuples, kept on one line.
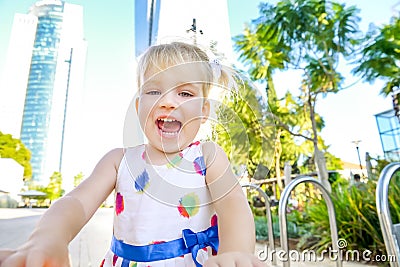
[(190, 242)]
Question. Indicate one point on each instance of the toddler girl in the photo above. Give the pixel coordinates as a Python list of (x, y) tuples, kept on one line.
[(177, 201)]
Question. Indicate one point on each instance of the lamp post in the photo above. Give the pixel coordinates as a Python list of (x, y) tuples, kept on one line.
[(69, 61), (358, 152), (193, 29)]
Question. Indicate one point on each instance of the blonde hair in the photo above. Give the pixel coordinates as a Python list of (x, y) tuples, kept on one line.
[(160, 57)]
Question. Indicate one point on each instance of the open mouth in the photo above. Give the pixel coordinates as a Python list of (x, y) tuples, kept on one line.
[(169, 127)]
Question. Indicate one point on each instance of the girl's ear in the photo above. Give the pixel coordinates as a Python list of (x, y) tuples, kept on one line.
[(205, 110), (137, 104)]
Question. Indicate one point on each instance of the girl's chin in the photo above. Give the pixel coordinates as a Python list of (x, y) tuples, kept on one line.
[(170, 149), (171, 145)]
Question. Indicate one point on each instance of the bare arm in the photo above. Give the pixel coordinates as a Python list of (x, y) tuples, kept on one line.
[(235, 221), (48, 244)]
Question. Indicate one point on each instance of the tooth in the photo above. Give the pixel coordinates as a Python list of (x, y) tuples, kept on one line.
[(170, 133), (167, 120)]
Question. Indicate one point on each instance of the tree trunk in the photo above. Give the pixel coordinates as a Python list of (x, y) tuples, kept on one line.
[(278, 152), (288, 173), (319, 159), (322, 171), (369, 166)]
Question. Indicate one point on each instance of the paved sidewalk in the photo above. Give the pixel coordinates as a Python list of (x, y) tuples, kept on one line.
[(90, 245), (18, 213)]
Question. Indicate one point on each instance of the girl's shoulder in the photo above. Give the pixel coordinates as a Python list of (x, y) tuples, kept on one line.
[(132, 153), (114, 156), (211, 150), (208, 146), (131, 149)]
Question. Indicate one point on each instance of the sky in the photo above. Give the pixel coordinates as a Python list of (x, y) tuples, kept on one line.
[(109, 30)]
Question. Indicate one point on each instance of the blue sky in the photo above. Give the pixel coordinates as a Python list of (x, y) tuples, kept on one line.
[(109, 29)]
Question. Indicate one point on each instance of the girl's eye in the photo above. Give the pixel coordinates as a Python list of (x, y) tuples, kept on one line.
[(185, 94), (153, 92)]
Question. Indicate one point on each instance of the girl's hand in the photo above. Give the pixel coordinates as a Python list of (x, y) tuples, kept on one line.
[(4, 253), (30, 255), (234, 259)]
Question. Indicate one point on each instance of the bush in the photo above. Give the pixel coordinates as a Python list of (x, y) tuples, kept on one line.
[(294, 231), (356, 217)]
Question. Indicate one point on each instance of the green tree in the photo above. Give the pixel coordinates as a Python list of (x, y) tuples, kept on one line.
[(288, 146), (78, 179), (53, 189), (13, 148), (311, 37), (243, 130), (294, 148), (380, 56)]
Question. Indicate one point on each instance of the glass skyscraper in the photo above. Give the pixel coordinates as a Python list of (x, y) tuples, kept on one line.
[(39, 93), (147, 14), (58, 47)]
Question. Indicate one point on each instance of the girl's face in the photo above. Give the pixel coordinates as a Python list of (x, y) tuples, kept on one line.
[(171, 106)]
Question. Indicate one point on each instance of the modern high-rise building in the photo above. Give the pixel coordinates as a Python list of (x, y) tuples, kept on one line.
[(52, 82), (147, 14), (15, 75)]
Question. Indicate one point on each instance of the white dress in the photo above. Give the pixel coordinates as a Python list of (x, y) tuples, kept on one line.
[(153, 204)]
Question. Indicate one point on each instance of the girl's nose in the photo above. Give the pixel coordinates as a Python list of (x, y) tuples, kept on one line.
[(168, 100)]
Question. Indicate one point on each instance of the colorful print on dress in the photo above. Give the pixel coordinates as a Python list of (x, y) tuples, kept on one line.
[(127, 263), (199, 165), (214, 220), (142, 181), (189, 205), (119, 203), (157, 242), (115, 258), (195, 143), (175, 161)]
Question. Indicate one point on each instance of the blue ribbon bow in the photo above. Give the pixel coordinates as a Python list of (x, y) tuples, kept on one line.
[(189, 243), (196, 241)]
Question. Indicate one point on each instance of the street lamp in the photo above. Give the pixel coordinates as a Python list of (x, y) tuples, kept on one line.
[(69, 61), (193, 29), (358, 151)]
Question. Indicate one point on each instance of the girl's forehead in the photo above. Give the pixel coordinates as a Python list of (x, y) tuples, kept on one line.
[(179, 74)]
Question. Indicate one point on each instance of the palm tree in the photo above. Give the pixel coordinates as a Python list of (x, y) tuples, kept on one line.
[(380, 57), (309, 36)]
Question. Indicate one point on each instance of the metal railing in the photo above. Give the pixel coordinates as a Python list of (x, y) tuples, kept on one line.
[(283, 220), (390, 232), (268, 215)]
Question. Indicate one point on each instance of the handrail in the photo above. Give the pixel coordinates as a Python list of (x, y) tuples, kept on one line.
[(269, 218), (382, 207), (283, 220)]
